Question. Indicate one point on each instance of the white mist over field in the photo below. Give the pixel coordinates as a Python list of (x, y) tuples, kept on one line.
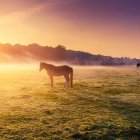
[(35, 66)]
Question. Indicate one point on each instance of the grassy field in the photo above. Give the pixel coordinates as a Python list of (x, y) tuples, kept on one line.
[(104, 104)]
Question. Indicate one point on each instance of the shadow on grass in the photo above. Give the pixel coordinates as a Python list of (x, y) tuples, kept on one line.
[(129, 110), (107, 131), (111, 130)]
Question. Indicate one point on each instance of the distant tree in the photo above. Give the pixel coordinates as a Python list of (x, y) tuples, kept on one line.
[(60, 47), (34, 45), (60, 53)]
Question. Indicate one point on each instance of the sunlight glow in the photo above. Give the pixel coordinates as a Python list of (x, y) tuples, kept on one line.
[(18, 67)]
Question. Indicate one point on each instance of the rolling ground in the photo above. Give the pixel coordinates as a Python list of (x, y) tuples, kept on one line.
[(103, 104)]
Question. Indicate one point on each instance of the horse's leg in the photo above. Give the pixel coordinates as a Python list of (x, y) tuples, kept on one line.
[(67, 80), (51, 77)]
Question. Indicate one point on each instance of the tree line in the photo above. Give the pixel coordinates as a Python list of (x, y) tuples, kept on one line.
[(59, 53)]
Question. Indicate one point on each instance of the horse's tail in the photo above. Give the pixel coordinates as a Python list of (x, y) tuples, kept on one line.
[(71, 78)]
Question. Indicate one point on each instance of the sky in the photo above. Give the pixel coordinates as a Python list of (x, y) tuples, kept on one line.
[(107, 27)]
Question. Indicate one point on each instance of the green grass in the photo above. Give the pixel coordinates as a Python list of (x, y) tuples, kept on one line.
[(104, 104)]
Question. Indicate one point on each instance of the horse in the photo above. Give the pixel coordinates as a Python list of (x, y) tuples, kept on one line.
[(63, 70), (138, 65)]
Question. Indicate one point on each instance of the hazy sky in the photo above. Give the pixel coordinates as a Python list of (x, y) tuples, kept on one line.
[(108, 27)]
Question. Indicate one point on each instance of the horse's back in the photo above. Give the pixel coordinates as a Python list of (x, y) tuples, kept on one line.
[(60, 70), (64, 68)]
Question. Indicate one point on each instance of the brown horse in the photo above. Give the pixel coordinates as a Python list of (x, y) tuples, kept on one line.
[(64, 70), (138, 65)]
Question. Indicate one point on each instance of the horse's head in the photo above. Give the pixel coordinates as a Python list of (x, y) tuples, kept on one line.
[(41, 66)]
